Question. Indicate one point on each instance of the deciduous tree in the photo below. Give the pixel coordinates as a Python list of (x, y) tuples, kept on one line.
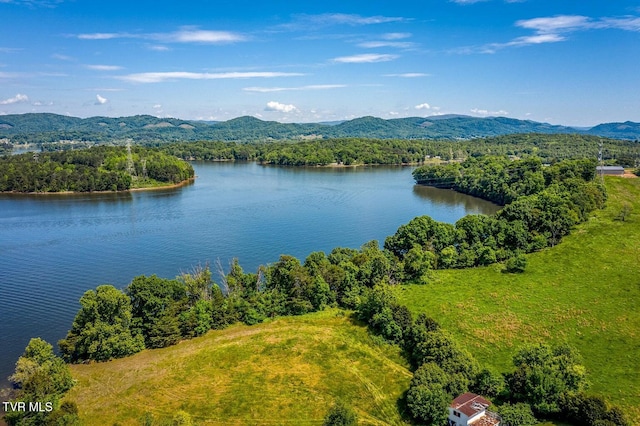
[(101, 329)]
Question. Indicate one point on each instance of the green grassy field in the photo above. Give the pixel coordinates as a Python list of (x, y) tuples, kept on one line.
[(585, 291), (288, 371)]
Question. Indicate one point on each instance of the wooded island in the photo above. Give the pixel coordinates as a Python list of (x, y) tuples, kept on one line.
[(101, 168)]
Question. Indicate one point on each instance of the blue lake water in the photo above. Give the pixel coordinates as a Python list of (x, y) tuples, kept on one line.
[(55, 247)]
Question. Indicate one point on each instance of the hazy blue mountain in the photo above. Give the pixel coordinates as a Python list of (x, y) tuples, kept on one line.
[(626, 130), (44, 127)]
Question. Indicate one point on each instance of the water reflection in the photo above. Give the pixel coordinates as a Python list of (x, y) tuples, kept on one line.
[(96, 197), (451, 198), (107, 197), (335, 169)]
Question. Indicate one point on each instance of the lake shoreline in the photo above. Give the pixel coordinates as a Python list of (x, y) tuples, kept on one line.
[(150, 188), (330, 165)]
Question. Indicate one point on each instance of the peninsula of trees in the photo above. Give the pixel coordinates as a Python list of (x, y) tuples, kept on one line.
[(101, 168)]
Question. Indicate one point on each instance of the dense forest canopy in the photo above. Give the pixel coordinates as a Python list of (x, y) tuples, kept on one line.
[(99, 168)]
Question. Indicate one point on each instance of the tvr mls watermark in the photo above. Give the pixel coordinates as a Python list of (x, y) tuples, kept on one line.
[(27, 407)]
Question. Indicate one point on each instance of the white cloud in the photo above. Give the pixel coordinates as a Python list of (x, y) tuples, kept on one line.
[(106, 89), (524, 41), (201, 36), (408, 75), (395, 44), (486, 113), (537, 39), (304, 21), (32, 3), (100, 100), (365, 58), (628, 23), (101, 36), (158, 48), (396, 36), (15, 75), (52, 74), (423, 106), (19, 98), (61, 57), (287, 89), (104, 67), (277, 106), (467, 1), (547, 30), (555, 24), (158, 77), (23, 75), (184, 35), (554, 29)]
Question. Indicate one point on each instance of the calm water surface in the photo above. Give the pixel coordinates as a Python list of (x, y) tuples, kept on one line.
[(55, 247)]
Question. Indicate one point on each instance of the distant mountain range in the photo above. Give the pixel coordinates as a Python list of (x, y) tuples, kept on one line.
[(44, 127)]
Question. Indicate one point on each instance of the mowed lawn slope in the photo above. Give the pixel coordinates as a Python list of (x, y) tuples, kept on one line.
[(585, 291), (286, 371)]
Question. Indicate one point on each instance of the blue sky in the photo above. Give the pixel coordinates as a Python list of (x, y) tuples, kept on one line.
[(562, 62)]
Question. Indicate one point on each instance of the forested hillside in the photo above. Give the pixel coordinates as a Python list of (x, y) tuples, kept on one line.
[(626, 130), (52, 128)]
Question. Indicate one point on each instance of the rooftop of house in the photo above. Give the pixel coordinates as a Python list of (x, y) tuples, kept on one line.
[(471, 404), (609, 168)]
